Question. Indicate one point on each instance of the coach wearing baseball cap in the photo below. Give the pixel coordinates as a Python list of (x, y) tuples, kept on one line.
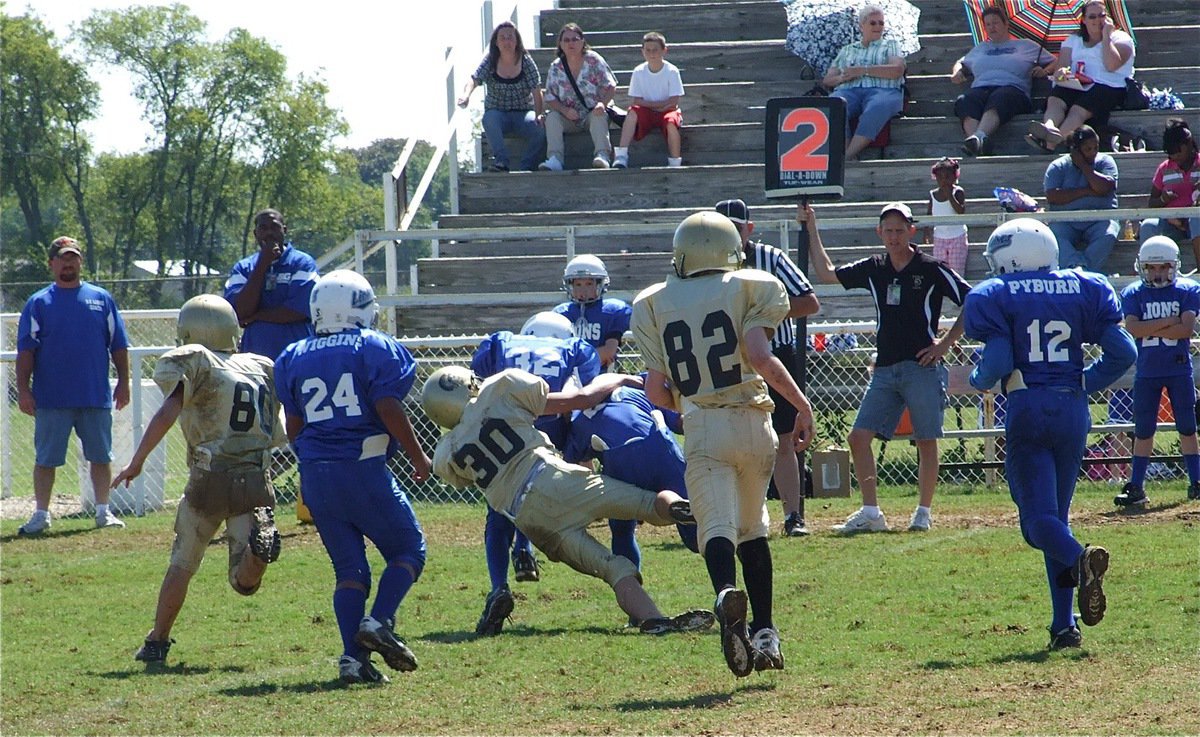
[(908, 288), (65, 336), (803, 302)]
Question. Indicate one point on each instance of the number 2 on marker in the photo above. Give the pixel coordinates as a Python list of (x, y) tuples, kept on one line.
[(801, 157)]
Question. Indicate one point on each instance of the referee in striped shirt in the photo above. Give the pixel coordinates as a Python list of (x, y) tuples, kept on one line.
[(803, 302)]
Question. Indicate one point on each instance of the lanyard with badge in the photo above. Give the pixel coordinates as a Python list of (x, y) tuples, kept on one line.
[(893, 293)]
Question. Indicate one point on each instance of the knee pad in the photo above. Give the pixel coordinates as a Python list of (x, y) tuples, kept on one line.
[(358, 575), (238, 588), (414, 561)]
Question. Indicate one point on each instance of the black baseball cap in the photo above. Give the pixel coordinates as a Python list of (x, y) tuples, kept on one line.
[(735, 210)]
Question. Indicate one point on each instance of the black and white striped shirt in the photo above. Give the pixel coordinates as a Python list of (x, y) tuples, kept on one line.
[(774, 261)]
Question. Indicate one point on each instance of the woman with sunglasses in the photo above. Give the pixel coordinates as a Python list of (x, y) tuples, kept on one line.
[(869, 76), (579, 106), (1100, 59)]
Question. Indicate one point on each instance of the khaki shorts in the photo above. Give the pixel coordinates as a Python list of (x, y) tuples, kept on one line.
[(730, 455), (564, 499), (213, 497)]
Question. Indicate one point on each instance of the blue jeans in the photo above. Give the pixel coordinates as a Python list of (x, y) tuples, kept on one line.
[(1098, 237), (1160, 226), (873, 106), (524, 124)]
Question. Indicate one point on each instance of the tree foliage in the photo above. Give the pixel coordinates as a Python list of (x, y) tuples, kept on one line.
[(232, 133)]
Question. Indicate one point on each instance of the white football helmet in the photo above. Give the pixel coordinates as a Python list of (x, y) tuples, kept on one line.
[(585, 267), (447, 393), (341, 300), (548, 325), (706, 241), (1023, 244), (210, 321), (1158, 249)]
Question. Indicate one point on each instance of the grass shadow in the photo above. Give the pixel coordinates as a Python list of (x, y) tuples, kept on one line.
[(52, 534), (269, 689), (176, 669), (702, 701), (457, 636)]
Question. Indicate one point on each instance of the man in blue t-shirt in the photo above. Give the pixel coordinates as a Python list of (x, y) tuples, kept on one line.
[(1084, 179), (547, 349), (634, 442), (1160, 312), (1033, 321), (343, 394), (269, 290), (65, 337), (601, 321)]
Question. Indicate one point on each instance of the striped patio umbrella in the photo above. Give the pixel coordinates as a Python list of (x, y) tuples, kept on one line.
[(1046, 21)]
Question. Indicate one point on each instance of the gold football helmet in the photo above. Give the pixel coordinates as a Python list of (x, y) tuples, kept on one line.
[(706, 241), (210, 321), (446, 394)]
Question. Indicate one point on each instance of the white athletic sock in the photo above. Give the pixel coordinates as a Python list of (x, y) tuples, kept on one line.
[(101, 510), (872, 512)]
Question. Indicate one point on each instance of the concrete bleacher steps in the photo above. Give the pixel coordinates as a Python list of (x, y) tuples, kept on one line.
[(733, 58), (882, 180), (915, 138)]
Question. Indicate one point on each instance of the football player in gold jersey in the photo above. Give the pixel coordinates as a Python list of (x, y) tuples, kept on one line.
[(227, 408), (494, 445), (705, 334)]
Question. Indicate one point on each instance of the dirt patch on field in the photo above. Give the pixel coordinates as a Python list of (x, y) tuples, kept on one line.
[(61, 505)]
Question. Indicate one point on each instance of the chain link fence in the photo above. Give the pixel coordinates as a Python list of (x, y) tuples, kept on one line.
[(838, 360)]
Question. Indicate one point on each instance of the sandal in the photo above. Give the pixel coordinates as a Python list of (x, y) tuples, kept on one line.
[(1038, 143)]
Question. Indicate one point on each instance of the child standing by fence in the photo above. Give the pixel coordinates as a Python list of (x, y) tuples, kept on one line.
[(949, 241)]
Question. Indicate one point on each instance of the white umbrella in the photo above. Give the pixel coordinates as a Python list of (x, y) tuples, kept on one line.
[(818, 29)]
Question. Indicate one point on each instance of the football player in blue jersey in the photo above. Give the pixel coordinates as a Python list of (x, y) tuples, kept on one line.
[(601, 321), (634, 443), (1160, 312), (547, 348), (1033, 320), (342, 392)]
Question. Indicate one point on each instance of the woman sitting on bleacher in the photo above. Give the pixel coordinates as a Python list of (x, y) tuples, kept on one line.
[(869, 76), (1176, 183), (1099, 58), (579, 87), (1003, 69)]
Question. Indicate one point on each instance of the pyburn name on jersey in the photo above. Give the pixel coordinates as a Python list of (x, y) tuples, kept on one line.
[(1043, 286), (1155, 310), (330, 341)]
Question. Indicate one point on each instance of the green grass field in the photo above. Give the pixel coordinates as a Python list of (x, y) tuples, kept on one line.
[(942, 632)]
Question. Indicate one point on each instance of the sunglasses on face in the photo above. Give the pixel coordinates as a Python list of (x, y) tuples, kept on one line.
[(571, 39), (1096, 17), (874, 23)]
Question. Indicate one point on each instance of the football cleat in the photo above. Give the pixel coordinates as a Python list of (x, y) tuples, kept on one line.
[(496, 609), (379, 637), (1093, 562), (692, 621), (1131, 496), (264, 536), (793, 526), (1194, 490), (154, 651), (681, 512), (525, 566), (731, 609), (353, 670), (767, 655), (1069, 637)]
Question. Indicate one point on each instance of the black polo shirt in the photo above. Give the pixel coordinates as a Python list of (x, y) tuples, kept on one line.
[(908, 303)]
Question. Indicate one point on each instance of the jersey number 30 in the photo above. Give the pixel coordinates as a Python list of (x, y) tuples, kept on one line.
[(681, 353), (500, 444)]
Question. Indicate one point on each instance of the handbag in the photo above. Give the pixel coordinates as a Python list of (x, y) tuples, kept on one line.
[(1136, 96), (616, 115)]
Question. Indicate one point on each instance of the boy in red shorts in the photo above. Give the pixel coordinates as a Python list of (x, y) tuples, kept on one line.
[(654, 91)]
